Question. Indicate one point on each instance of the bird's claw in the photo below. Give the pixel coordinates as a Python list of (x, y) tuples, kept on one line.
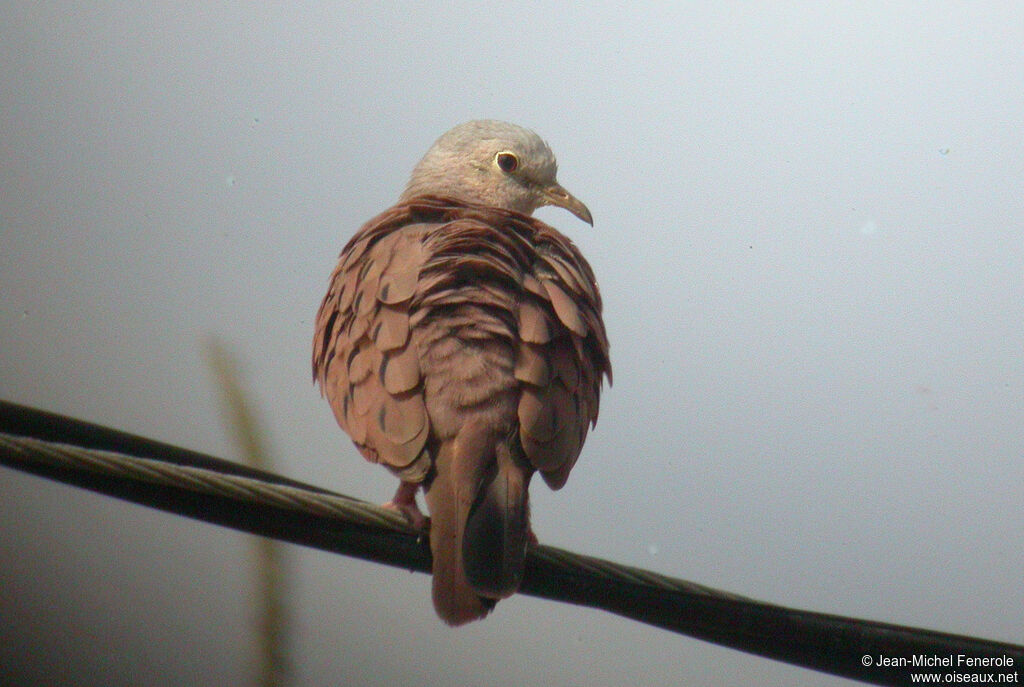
[(411, 512), (404, 502)]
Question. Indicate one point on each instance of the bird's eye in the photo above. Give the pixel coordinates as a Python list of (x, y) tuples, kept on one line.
[(508, 162)]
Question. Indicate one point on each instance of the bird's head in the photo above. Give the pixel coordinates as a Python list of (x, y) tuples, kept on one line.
[(495, 164)]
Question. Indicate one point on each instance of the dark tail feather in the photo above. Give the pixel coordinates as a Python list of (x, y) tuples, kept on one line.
[(495, 536), (454, 600)]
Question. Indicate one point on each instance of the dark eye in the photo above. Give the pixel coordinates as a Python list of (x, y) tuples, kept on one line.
[(508, 162)]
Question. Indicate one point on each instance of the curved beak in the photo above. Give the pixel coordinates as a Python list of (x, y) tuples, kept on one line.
[(559, 197)]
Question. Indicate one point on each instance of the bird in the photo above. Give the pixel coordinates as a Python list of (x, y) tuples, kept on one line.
[(461, 345)]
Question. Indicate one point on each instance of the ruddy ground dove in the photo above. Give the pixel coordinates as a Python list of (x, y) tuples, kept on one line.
[(460, 345)]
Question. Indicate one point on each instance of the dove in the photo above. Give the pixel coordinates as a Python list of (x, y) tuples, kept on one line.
[(461, 345)]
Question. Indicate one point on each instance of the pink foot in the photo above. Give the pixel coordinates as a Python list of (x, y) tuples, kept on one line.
[(404, 502)]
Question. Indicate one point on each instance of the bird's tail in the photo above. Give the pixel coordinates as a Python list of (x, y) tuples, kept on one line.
[(479, 524), (495, 536)]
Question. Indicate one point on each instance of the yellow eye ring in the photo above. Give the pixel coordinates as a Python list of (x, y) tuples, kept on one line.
[(507, 161)]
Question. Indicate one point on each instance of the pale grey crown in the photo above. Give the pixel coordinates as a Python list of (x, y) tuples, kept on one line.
[(493, 163)]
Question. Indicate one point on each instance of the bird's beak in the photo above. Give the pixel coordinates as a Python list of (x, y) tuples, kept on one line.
[(559, 197)]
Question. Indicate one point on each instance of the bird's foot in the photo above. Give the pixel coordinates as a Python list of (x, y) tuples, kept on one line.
[(404, 502)]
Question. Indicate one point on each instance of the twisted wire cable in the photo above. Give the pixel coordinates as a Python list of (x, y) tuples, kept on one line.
[(206, 488)]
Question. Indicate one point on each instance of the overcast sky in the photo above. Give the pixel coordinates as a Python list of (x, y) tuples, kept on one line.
[(808, 234)]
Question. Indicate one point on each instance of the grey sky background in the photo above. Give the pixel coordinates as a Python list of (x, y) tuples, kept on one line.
[(808, 234)]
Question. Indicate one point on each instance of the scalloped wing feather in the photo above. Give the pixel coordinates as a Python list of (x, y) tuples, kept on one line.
[(483, 272)]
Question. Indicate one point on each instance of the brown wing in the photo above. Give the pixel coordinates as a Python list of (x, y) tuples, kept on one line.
[(362, 356), (563, 355), (434, 255)]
